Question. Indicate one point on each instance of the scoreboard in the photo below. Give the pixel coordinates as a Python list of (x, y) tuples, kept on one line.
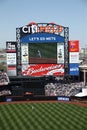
[(41, 49)]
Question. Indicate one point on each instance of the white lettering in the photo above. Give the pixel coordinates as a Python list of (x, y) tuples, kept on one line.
[(11, 47), (29, 29), (74, 69), (34, 28), (42, 38), (25, 29), (41, 69), (33, 38), (50, 38)]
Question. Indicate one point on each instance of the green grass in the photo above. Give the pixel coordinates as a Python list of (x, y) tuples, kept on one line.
[(43, 116)]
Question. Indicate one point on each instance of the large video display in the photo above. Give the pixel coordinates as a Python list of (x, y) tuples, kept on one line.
[(42, 53)]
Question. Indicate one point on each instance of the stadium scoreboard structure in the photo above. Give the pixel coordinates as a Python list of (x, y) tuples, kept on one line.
[(41, 49)]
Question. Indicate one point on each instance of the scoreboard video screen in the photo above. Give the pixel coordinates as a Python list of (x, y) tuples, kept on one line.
[(42, 53)]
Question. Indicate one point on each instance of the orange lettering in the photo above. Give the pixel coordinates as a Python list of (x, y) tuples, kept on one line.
[(59, 29), (42, 28)]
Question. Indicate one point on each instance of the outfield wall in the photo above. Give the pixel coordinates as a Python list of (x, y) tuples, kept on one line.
[(41, 98)]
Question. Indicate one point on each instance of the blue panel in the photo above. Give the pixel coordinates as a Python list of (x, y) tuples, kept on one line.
[(74, 69), (8, 99), (41, 38), (63, 98)]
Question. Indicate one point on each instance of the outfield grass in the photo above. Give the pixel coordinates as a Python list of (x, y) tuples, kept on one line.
[(43, 116)]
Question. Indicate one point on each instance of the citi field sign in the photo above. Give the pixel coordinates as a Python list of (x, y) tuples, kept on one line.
[(42, 27)]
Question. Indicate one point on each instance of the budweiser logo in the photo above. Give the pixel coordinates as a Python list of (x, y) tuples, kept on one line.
[(43, 69)]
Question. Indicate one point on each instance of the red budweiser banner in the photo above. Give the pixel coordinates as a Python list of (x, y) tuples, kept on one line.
[(43, 69)]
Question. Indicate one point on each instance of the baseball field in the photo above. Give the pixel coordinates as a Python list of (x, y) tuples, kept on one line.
[(42, 116)]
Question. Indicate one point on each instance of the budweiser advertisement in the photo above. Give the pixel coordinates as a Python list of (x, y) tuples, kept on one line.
[(43, 69)]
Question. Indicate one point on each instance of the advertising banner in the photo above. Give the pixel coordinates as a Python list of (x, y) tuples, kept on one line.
[(11, 47), (74, 46), (60, 53), (11, 71), (63, 98), (24, 54), (43, 69), (74, 69), (74, 57), (11, 58)]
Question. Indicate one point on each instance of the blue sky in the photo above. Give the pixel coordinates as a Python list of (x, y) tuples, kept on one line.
[(69, 13)]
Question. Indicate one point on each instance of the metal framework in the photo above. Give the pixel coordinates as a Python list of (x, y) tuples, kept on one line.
[(18, 36), (66, 50)]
